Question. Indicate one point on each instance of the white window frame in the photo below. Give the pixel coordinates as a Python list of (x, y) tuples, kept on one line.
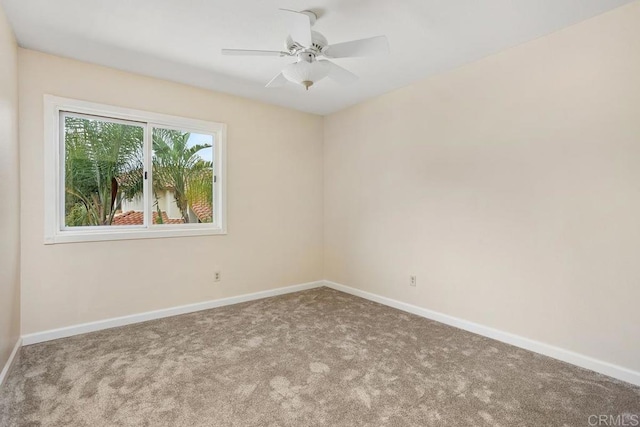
[(54, 229)]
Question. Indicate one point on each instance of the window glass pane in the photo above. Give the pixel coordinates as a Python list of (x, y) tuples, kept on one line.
[(182, 177), (103, 168)]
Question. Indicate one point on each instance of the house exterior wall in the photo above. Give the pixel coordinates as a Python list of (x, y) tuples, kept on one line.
[(166, 203)]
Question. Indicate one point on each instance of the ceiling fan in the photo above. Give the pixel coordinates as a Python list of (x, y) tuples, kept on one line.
[(307, 46)]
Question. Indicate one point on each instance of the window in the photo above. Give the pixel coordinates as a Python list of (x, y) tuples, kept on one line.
[(113, 173)]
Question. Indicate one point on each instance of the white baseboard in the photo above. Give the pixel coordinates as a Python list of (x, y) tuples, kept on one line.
[(7, 366), (84, 328), (571, 357), (577, 359)]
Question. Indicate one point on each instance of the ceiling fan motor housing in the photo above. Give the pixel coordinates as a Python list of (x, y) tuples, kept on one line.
[(319, 42), (306, 56)]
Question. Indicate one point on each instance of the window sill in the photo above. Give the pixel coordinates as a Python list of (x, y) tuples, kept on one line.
[(100, 236)]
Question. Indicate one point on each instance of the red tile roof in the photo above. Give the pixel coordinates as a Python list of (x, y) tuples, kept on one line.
[(203, 211), (137, 218)]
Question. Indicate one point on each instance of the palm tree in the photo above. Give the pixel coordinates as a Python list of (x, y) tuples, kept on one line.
[(103, 165), (178, 168)]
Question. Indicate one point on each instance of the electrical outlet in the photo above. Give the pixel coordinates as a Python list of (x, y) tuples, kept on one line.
[(217, 276), (412, 280)]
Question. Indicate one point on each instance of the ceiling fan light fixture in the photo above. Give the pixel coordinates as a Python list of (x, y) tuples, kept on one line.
[(306, 73)]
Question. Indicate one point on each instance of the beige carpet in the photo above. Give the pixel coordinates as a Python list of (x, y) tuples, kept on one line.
[(318, 357)]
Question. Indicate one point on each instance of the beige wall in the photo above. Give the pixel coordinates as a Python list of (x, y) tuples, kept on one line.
[(510, 187), (9, 194), (274, 205)]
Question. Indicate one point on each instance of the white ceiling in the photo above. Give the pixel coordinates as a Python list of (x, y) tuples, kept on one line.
[(181, 40)]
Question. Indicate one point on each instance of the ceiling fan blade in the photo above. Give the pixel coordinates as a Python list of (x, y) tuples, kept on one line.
[(378, 45), (277, 81), (339, 74), (246, 52), (301, 27)]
